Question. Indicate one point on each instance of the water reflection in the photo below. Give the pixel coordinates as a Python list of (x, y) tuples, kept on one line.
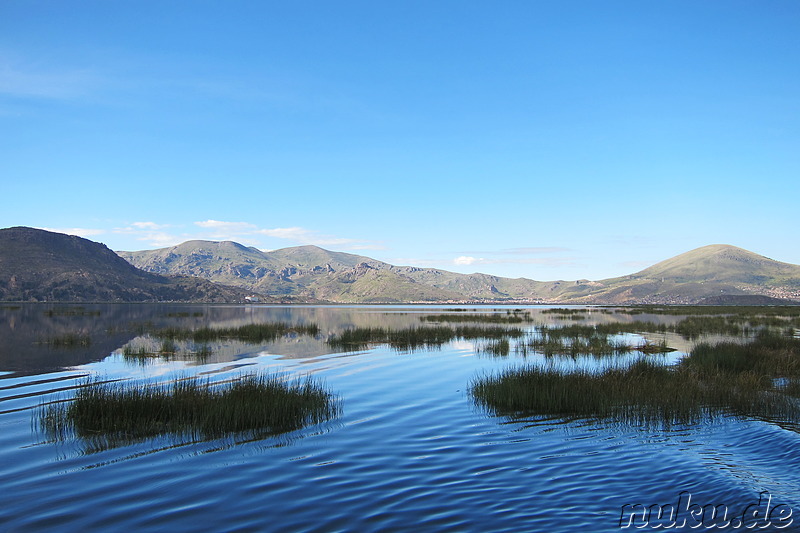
[(48, 337)]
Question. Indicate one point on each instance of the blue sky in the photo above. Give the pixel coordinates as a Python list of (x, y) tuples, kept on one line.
[(548, 140)]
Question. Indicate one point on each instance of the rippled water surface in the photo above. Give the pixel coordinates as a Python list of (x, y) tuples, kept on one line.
[(410, 450)]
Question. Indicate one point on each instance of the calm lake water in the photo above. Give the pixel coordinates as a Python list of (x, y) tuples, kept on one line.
[(410, 451)]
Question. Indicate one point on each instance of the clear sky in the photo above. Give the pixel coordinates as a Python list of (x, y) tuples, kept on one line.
[(540, 139)]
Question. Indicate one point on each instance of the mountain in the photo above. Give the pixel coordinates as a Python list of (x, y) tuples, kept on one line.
[(310, 273), (38, 265), (305, 272), (717, 272)]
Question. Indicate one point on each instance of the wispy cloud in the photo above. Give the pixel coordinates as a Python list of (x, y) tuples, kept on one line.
[(228, 230), (530, 255), (34, 80), (80, 232), (152, 233), (535, 250), (529, 250), (466, 260), (155, 234)]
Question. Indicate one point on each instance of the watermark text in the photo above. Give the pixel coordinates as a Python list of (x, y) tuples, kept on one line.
[(686, 513)]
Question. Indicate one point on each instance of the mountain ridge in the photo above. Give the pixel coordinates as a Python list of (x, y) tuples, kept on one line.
[(310, 272), (38, 265)]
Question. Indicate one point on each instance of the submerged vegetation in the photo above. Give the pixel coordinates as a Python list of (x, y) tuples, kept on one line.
[(256, 404), (757, 379)]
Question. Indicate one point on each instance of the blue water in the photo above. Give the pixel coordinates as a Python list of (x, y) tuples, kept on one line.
[(409, 452)]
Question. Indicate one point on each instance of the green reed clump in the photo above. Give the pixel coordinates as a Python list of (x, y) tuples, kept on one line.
[(769, 355), (694, 326), (249, 333), (69, 340), (497, 348), (417, 337), (650, 348), (71, 311), (582, 340), (563, 311), (255, 403), (508, 318), (756, 379), (643, 392), (168, 347), (135, 351), (710, 310), (613, 328)]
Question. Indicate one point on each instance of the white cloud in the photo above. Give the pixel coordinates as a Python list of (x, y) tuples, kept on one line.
[(226, 226), (295, 234), (242, 232), (149, 225), (467, 260), (307, 236), (80, 232), (152, 233)]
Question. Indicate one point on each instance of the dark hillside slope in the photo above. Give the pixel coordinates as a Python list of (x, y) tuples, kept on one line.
[(38, 265)]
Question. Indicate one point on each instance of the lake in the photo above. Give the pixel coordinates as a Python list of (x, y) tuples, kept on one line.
[(410, 450)]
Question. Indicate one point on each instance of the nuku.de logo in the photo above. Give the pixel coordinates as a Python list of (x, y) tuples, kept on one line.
[(686, 514)]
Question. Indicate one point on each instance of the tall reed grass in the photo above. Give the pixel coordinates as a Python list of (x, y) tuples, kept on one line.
[(257, 404), (250, 333), (414, 338), (760, 379)]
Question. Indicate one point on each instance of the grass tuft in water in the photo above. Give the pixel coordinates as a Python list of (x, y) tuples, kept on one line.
[(258, 404)]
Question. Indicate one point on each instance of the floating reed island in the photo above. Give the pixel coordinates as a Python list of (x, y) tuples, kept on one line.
[(758, 379), (254, 404)]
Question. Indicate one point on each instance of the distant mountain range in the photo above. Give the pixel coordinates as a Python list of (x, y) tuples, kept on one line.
[(38, 265), (712, 274)]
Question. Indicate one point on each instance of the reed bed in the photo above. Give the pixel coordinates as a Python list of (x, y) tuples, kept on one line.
[(497, 348), (643, 392), (690, 327), (257, 404), (711, 310), (166, 350), (250, 333), (71, 311), (69, 340), (508, 318), (596, 345), (759, 379), (415, 338)]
